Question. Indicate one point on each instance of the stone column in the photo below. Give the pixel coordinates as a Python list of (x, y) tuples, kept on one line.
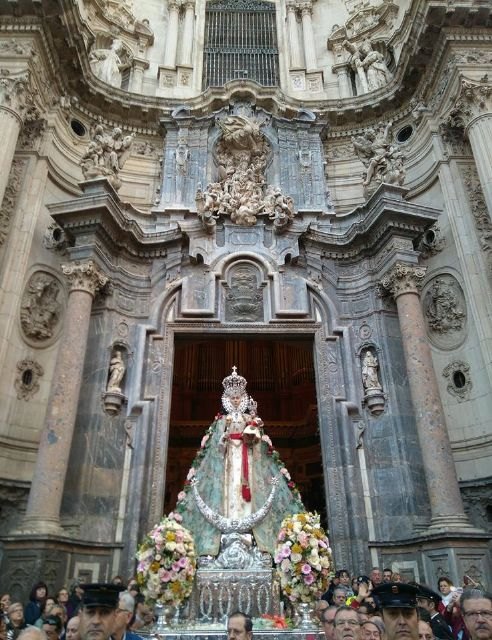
[(404, 283), (308, 36), (43, 508), (343, 77), (16, 105), (171, 35), (188, 30), (139, 67), (473, 111), (295, 45)]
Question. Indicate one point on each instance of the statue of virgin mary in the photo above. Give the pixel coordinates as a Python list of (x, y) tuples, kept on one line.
[(236, 482)]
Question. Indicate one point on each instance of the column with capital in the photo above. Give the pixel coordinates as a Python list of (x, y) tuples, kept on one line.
[(43, 508), (404, 282), (473, 111), (308, 36), (171, 35), (188, 29), (295, 46), (16, 105)]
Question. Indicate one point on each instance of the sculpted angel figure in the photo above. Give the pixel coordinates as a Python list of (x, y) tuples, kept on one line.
[(107, 64), (233, 474), (382, 159)]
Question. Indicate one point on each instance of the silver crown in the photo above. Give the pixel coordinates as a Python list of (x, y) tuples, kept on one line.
[(234, 383)]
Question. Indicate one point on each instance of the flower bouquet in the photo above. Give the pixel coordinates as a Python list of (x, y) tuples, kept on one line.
[(302, 557), (167, 562)]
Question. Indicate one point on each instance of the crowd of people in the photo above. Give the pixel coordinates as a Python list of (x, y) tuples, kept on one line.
[(58, 616), (378, 606), (440, 615)]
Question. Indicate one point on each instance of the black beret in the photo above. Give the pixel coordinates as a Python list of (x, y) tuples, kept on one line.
[(396, 595), (101, 595), (428, 594)]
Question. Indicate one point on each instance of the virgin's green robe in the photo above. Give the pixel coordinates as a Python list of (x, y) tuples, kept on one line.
[(209, 466)]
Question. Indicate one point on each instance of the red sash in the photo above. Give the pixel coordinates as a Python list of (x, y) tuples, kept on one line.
[(245, 488)]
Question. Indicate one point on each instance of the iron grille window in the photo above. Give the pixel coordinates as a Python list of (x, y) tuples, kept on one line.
[(240, 42)]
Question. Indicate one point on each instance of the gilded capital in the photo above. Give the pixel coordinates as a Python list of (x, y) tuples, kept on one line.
[(16, 94), (474, 99), (84, 276), (403, 278)]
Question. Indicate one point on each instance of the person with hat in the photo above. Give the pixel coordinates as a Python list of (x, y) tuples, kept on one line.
[(429, 600), (98, 610), (398, 603)]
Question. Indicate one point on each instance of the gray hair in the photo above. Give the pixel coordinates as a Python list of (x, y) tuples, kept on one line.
[(127, 601), (32, 633), (474, 594)]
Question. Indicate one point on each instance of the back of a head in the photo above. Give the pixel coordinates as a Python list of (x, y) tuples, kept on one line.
[(32, 633)]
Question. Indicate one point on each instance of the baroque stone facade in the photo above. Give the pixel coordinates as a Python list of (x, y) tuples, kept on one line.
[(321, 219)]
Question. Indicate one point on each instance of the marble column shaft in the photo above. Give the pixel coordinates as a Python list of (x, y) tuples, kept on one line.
[(171, 36), (188, 29), (404, 283), (43, 508), (295, 45), (308, 37)]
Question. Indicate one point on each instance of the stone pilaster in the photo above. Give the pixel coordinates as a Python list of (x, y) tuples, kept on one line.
[(171, 35), (473, 111), (16, 107), (188, 30), (308, 36), (295, 46), (404, 282), (43, 508)]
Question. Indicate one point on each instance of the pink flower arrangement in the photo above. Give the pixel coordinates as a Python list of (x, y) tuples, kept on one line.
[(303, 557), (167, 562)]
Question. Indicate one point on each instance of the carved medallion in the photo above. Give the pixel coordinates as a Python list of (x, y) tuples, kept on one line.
[(41, 307), (444, 311), (244, 299)]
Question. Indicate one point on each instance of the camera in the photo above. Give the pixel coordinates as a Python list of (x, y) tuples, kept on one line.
[(361, 579)]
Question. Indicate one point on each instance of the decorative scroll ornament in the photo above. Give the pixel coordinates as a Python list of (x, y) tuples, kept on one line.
[(241, 193), (403, 278), (106, 154), (84, 276), (16, 93), (230, 525), (381, 157), (475, 98)]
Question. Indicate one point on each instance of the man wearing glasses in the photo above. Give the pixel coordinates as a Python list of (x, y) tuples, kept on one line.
[(476, 609), (347, 624)]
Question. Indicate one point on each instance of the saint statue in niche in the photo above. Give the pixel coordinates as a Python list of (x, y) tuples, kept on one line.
[(116, 372), (237, 482)]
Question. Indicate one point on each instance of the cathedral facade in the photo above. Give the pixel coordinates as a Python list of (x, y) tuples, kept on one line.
[(302, 189)]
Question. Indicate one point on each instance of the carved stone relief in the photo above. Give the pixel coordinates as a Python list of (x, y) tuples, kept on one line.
[(244, 294), (460, 382), (454, 140), (480, 212), (10, 197), (41, 308), (369, 66), (477, 501), (55, 239), (444, 308), (474, 99), (431, 243), (381, 157), (241, 193), (106, 154), (27, 378), (108, 63)]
